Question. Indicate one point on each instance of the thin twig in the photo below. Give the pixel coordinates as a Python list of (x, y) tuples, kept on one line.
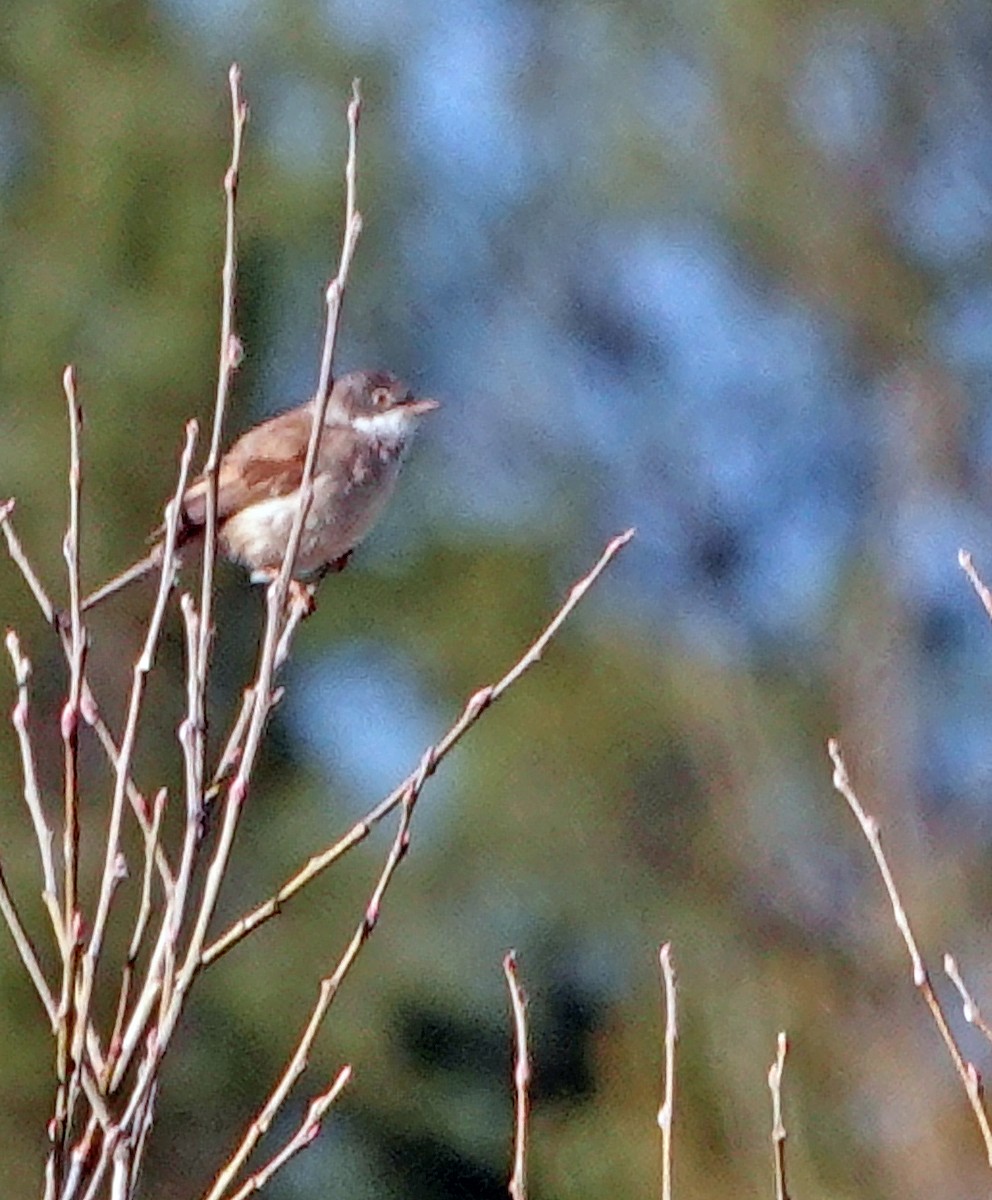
[(232, 747), (71, 710), (20, 718), (140, 926), (230, 357), (78, 1157), (238, 789), (407, 799), (69, 725), (521, 1078), (981, 591), (329, 987), (20, 560), (89, 707), (8, 910), (778, 1126), (191, 739), (192, 733), (473, 710), (199, 627), (142, 667), (144, 1128), (666, 1112), (921, 978), (309, 1129), (970, 1010), (263, 695)]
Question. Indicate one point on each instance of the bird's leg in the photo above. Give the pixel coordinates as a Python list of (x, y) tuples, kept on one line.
[(299, 593), (303, 594)]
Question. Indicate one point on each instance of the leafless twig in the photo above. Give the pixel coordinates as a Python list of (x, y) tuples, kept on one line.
[(89, 707), (32, 794), (161, 971), (981, 591), (775, 1072), (111, 865), (70, 739), (328, 990), (170, 987), (8, 910), (97, 1150), (666, 1112), (921, 978), (303, 1137), (970, 1010), (473, 710), (230, 357), (521, 1078)]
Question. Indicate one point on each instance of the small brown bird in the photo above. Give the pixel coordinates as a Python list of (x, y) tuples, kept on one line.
[(369, 424)]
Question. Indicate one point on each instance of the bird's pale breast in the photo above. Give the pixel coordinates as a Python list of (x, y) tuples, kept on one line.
[(342, 513)]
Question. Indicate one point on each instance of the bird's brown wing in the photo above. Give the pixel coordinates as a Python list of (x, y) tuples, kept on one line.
[(267, 461), (264, 462)]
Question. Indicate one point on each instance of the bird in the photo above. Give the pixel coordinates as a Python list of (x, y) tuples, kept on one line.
[(369, 423)]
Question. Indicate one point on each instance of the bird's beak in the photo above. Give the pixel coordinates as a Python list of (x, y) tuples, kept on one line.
[(420, 406)]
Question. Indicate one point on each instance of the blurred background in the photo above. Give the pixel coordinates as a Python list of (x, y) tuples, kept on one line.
[(719, 271)]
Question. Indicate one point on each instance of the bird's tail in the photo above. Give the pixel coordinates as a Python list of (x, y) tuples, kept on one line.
[(137, 571)]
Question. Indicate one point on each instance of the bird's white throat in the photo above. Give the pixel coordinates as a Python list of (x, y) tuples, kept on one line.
[(391, 428)]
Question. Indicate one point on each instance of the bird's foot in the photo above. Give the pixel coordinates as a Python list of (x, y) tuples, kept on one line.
[(300, 595), (303, 596), (338, 564)]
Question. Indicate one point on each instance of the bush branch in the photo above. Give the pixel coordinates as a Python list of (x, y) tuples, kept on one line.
[(476, 705), (921, 978)]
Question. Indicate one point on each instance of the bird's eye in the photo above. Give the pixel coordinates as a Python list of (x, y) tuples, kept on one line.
[(380, 397)]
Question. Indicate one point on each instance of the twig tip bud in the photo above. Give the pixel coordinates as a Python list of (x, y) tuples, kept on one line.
[(88, 708), (69, 722)]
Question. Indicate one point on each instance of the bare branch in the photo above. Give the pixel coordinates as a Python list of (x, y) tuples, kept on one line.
[(869, 827), (775, 1072), (8, 910), (261, 704), (981, 591), (90, 709), (32, 794), (306, 1134), (199, 632), (970, 1010), (329, 987), (111, 866), (276, 598), (20, 560), (230, 357), (666, 1112), (140, 925), (71, 711), (521, 1078), (474, 708), (69, 944)]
